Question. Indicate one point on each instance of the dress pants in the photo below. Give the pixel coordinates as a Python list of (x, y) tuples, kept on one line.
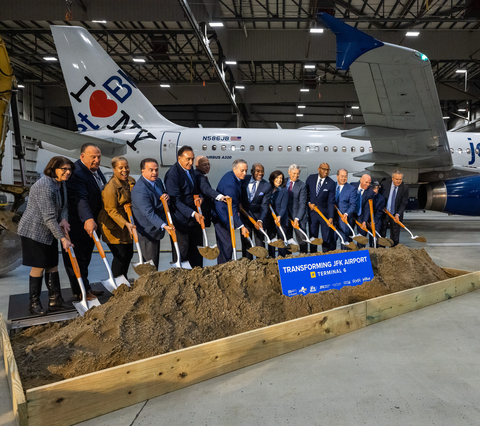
[(150, 249), (360, 231), (188, 243), (272, 232), (344, 231), (83, 252), (317, 223), (257, 237), (299, 237), (389, 223), (122, 256), (224, 243)]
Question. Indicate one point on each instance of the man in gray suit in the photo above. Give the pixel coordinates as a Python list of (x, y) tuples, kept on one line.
[(297, 206)]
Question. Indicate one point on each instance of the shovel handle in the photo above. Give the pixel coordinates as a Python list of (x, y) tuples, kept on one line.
[(169, 219), (370, 202), (324, 218), (273, 212), (393, 217), (74, 262), (98, 244), (128, 210), (196, 200), (341, 216), (364, 228), (250, 218), (293, 224), (230, 219)]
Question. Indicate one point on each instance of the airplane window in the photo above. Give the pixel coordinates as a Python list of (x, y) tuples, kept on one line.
[(325, 148), (459, 150), (224, 147), (468, 151), (260, 148), (307, 148), (335, 149), (317, 148), (299, 148), (289, 148), (242, 147), (370, 149), (252, 147), (362, 149), (353, 149), (270, 148), (232, 147), (204, 147), (452, 150), (344, 149), (214, 147), (280, 148)]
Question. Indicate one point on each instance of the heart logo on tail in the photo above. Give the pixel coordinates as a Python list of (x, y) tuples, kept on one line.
[(101, 106)]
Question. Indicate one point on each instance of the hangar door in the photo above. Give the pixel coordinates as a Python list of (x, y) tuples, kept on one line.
[(169, 147)]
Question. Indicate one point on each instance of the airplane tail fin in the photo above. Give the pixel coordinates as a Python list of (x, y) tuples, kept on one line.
[(102, 94)]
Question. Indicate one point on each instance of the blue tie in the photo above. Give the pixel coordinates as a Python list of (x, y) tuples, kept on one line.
[(319, 185), (252, 192), (337, 193), (391, 207), (359, 203), (188, 174)]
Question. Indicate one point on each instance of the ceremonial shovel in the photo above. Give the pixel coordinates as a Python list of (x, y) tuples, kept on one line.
[(208, 252), (232, 227), (385, 242), (314, 241), (291, 243), (358, 238), (255, 250), (350, 245), (112, 283), (414, 237), (128, 209)]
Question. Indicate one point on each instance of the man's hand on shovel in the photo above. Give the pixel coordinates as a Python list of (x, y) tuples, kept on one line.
[(169, 229), (165, 196), (258, 225), (130, 227), (198, 217), (244, 231)]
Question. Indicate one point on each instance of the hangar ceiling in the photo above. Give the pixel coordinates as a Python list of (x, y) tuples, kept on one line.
[(270, 41)]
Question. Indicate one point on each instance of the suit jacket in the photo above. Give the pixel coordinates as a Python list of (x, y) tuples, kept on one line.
[(147, 209), (378, 206), (258, 207), (46, 207), (297, 202), (347, 200), (112, 217), (279, 203), (181, 191), (230, 186), (208, 194), (325, 200), (84, 198), (367, 195), (401, 199)]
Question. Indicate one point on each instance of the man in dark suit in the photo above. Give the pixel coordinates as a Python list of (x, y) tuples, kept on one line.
[(378, 206), (396, 194), (362, 211), (321, 192), (148, 212), (230, 185), (181, 187), (297, 206), (84, 189), (202, 168), (255, 197), (346, 201)]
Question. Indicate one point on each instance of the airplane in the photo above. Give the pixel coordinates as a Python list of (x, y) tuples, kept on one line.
[(403, 128)]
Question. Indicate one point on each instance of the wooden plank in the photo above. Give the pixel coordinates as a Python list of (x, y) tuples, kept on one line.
[(391, 305), (78, 399), (456, 272), (14, 382)]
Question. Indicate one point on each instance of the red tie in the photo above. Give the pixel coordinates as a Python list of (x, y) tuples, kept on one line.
[(290, 186)]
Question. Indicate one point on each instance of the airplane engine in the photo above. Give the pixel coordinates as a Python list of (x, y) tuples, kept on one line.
[(454, 196)]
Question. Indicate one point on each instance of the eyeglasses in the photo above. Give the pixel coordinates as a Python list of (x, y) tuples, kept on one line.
[(65, 169)]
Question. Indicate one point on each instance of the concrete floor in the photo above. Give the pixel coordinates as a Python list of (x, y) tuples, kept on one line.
[(417, 369)]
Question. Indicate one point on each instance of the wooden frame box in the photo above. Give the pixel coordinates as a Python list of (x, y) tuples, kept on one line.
[(66, 402)]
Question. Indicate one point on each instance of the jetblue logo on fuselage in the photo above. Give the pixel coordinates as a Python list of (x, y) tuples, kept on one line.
[(473, 151)]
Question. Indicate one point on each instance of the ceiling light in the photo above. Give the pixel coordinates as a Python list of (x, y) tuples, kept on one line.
[(49, 58), (304, 90), (446, 118), (164, 85), (316, 30), (239, 87), (100, 22), (216, 24), (309, 66), (461, 71), (355, 107), (21, 86), (412, 34), (138, 60), (230, 62), (299, 115), (301, 106), (348, 115), (462, 110)]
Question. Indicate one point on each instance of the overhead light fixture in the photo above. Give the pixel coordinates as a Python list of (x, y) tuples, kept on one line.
[(216, 24), (299, 115), (164, 85), (316, 30), (355, 107), (138, 60), (446, 118), (301, 106), (50, 58), (100, 22), (309, 66), (461, 71), (21, 86), (348, 115), (239, 87), (462, 110), (412, 34), (230, 62), (304, 90)]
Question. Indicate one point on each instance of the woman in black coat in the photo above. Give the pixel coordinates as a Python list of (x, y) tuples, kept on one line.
[(278, 201)]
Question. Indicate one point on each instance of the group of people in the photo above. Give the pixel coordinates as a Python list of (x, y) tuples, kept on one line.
[(73, 201)]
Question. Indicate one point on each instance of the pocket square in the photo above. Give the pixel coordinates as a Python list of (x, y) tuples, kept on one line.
[(261, 193), (325, 189)]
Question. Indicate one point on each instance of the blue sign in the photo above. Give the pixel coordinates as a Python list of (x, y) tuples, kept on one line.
[(304, 275)]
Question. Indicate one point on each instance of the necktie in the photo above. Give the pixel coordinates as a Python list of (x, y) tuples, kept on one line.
[(252, 192), (190, 177), (99, 181), (319, 185), (337, 193), (359, 202), (157, 189), (391, 207), (290, 186)]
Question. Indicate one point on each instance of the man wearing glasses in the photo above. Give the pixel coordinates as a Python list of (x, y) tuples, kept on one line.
[(321, 193)]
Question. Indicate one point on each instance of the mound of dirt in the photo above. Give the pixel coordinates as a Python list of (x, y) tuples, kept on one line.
[(174, 309)]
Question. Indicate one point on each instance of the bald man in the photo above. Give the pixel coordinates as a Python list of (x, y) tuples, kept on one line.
[(362, 210)]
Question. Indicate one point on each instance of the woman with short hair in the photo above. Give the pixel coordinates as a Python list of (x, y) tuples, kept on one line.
[(279, 202), (113, 220), (44, 222)]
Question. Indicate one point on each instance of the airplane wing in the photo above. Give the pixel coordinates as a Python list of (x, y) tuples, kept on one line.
[(399, 102), (69, 140)]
